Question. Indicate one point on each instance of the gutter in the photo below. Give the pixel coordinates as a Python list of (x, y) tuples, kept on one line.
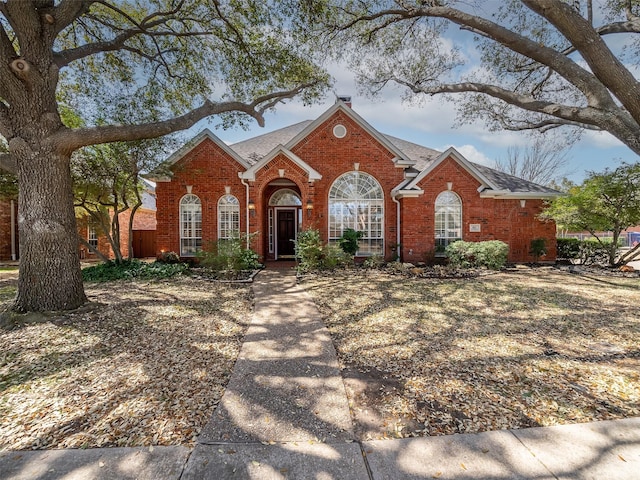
[(246, 211), (397, 202)]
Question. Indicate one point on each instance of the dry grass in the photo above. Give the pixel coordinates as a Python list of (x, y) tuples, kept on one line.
[(510, 350), (145, 364)]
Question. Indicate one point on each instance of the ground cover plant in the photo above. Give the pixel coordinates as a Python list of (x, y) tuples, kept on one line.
[(521, 348), (145, 363)]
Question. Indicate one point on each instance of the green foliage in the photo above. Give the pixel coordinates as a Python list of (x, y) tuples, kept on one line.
[(568, 248), (349, 241), (230, 255), (605, 202), (312, 255), (538, 248), (491, 254), (374, 261), (309, 250), (130, 269)]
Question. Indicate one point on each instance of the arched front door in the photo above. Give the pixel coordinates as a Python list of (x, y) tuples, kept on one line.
[(285, 215)]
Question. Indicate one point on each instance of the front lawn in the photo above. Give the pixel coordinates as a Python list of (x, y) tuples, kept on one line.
[(531, 347), (145, 364)]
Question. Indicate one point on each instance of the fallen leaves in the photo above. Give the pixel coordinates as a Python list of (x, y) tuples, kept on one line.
[(531, 347), (146, 365)]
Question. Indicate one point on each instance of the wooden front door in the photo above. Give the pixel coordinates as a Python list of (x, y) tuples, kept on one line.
[(286, 233)]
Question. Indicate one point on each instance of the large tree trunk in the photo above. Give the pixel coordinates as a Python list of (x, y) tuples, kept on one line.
[(50, 276)]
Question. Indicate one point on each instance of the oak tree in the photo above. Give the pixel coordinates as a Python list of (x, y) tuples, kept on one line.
[(537, 64), (170, 63)]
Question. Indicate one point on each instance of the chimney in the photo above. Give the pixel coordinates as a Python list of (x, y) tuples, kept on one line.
[(346, 99)]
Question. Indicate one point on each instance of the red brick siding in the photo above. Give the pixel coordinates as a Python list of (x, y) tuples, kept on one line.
[(208, 169), (504, 220), (333, 157), (5, 230)]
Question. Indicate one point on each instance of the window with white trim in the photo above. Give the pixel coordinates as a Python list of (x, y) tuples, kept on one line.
[(190, 225), (356, 201), (92, 237), (448, 215), (228, 217)]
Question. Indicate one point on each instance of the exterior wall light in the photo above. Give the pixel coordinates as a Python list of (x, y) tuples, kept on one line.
[(252, 207), (309, 208)]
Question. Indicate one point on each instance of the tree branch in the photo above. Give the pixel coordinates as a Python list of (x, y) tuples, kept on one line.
[(582, 79), (8, 163), (602, 62), (68, 10), (69, 140), (584, 116)]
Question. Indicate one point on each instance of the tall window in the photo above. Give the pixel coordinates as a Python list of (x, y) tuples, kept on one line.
[(92, 238), (448, 220), (190, 225), (228, 217), (356, 201)]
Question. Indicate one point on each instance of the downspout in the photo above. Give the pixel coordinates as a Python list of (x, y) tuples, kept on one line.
[(13, 230), (242, 181), (397, 202)]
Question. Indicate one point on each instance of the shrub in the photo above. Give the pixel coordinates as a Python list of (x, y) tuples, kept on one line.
[(568, 248), (491, 254), (538, 248), (309, 250), (168, 257), (349, 241), (229, 255), (334, 257), (130, 269), (374, 261)]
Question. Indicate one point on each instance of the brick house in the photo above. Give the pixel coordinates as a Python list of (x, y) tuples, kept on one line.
[(144, 226), (338, 172)]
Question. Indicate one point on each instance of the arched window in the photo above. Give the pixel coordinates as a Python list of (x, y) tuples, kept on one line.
[(228, 217), (448, 220), (285, 197), (190, 225), (356, 201)]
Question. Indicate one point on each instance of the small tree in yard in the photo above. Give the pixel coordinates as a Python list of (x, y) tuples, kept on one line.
[(107, 183), (167, 63), (608, 201)]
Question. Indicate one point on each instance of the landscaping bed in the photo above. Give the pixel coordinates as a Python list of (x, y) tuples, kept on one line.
[(145, 363), (522, 348)]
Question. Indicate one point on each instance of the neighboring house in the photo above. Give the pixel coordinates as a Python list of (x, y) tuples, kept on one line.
[(338, 172), (144, 229), (144, 226)]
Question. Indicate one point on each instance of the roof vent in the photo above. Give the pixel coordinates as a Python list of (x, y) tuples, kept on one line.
[(346, 99)]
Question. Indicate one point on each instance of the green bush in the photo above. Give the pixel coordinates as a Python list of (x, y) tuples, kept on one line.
[(349, 241), (130, 269), (568, 248), (374, 261), (312, 255), (309, 250), (229, 255), (538, 248), (585, 252), (491, 254)]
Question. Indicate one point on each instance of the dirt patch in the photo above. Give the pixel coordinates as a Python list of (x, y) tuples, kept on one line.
[(529, 347), (145, 364)]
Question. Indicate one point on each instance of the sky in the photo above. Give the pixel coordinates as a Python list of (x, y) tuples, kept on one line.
[(431, 124)]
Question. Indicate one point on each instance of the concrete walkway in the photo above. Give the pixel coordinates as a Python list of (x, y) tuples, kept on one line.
[(285, 415)]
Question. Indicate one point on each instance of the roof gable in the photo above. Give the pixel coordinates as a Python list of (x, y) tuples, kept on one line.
[(250, 174), (187, 148), (399, 159)]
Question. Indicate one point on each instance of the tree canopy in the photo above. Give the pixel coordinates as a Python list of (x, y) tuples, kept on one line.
[(604, 202), (519, 65), (132, 70)]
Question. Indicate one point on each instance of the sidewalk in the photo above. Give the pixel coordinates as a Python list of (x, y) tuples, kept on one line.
[(285, 415)]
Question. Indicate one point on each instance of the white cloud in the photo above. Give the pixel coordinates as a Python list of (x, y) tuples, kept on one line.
[(472, 154)]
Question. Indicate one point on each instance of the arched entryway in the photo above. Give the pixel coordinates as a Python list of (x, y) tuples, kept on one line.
[(284, 220)]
